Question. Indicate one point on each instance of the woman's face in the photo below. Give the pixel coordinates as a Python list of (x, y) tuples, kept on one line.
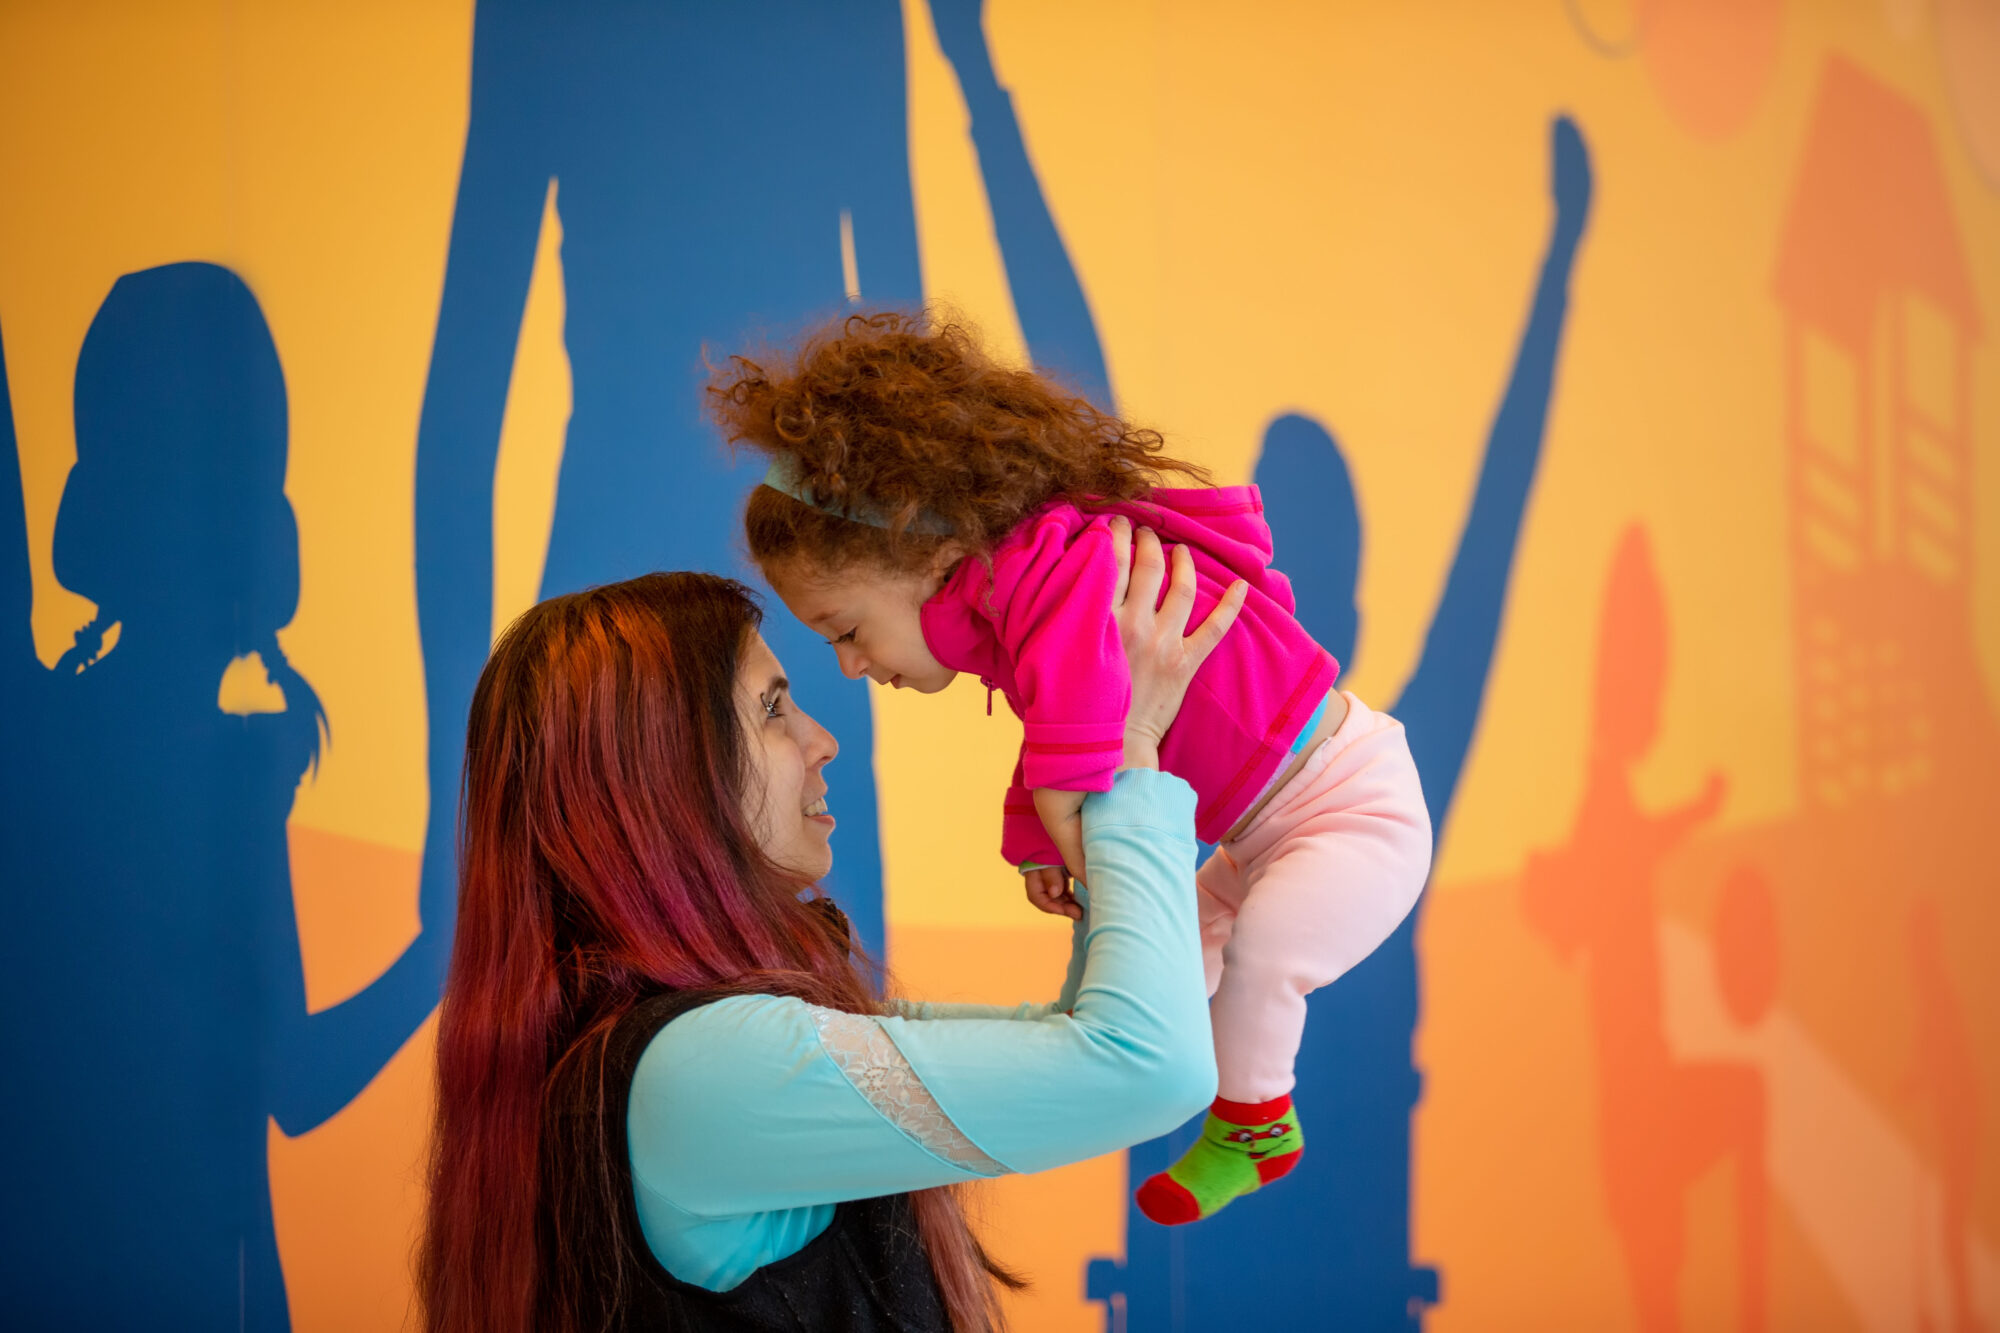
[(784, 799)]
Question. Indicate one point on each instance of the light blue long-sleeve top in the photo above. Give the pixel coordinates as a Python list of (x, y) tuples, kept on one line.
[(751, 1117)]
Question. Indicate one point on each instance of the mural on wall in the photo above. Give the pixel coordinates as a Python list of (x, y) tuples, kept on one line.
[(152, 964), (1338, 1234), (1663, 1121), (676, 236), (1822, 1127), (1693, 1028)]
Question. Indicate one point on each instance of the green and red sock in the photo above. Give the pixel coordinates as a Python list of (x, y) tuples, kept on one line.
[(1243, 1147)]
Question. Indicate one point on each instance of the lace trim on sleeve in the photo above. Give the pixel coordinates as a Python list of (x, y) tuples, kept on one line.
[(869, 1060)]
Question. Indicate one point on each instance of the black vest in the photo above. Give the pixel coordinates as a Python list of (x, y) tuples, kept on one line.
[(866, 1273)]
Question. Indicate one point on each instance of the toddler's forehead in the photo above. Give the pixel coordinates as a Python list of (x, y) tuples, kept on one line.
[(855, 579)]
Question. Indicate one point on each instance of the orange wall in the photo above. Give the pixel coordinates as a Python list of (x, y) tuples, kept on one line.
[(1332, 209)]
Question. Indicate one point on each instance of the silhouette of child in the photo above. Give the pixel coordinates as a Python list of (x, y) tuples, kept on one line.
[(154, 936), (1663, 1121)]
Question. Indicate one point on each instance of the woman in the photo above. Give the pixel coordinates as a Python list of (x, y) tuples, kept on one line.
[(668, 1096)]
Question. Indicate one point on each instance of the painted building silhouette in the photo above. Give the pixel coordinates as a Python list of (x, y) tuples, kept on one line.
[(1879, 329)]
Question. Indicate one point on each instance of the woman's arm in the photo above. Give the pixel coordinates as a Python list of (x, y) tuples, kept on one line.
[(760, 1103), (751, 1117), (1121, 1069)]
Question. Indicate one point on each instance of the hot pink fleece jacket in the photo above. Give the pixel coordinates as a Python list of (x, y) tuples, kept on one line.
[(1038, 627)]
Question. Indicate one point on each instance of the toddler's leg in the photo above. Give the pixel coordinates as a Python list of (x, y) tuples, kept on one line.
[(1323, 879), (1328, 878), (1218, 892)]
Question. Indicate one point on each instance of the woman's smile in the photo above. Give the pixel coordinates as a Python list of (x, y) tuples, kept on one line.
[(787, 754)]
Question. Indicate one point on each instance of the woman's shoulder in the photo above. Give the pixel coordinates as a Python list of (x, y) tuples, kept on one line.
[(677, 1027), (715, 1073), (687, 1061)]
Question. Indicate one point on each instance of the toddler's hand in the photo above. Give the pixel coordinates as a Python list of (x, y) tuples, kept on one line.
[(1048, 889), (1062, 816)]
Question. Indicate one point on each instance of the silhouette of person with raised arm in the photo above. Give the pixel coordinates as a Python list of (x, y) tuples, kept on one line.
[(710, 159), (1340, 1244), (1055, 316), (158, 1019), (1358, 1054), (1662, 1121)]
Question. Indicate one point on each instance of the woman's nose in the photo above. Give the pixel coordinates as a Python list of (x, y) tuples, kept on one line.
[(823, 747)]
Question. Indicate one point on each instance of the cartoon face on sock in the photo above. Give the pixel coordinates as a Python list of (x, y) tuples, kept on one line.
[(1254, 1142)]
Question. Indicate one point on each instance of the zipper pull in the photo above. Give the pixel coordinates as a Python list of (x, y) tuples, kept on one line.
[(989, 695)]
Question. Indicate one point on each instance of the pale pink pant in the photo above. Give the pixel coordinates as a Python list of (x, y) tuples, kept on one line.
[(1322, 876)]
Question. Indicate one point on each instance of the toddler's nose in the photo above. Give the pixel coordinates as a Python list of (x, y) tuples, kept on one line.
[(852, 664)]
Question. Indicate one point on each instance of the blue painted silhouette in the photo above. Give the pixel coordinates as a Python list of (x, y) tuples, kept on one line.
[(1331, 1246), (156, 998), (704, 155), (1333, 1242), (1048, 295)]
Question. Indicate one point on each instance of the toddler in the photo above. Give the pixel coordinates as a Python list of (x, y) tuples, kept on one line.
[(930, 512)]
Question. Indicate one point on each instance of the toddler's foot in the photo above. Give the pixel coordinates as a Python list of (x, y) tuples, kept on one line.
[(1243, 1146)]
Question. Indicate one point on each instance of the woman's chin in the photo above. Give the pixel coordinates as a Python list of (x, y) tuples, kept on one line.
[(812, 855)]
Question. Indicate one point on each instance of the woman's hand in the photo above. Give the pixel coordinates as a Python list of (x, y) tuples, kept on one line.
[(1163, 656)]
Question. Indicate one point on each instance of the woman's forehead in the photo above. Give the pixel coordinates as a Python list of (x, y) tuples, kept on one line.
[(759, 666)]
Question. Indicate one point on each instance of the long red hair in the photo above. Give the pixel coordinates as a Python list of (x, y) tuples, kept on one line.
[(603, 857)]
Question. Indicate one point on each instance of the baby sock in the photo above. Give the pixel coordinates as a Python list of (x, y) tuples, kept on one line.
[(1243, 1145)]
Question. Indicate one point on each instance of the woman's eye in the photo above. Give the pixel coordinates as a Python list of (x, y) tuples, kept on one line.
[(771, 707)]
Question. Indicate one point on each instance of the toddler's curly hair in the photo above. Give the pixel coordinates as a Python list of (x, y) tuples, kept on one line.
[(906, 415)]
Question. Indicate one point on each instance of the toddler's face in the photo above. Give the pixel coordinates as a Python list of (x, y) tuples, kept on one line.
[(870, 616)]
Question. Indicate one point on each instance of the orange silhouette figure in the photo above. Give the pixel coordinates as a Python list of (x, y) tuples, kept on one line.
[(1662, 1121), (1946, 1077), (1746, 946)]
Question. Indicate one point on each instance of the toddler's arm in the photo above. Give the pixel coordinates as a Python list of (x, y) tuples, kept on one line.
[(1061, 813), (1060, 613), (1058, 626)]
